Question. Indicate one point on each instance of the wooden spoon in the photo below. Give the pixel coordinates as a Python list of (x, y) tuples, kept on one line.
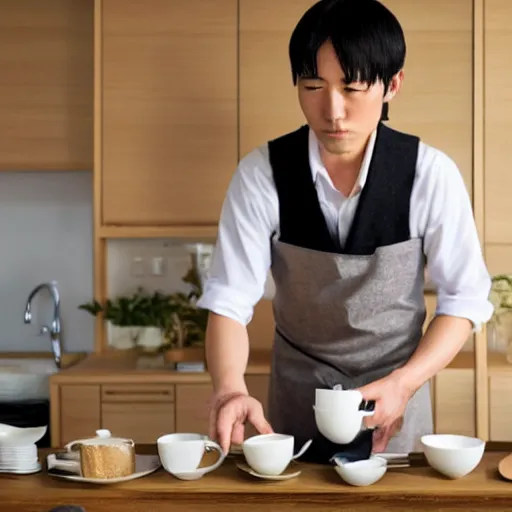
[(505, 467)]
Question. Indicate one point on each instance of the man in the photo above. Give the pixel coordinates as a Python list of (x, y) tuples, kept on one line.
[(345, 212)]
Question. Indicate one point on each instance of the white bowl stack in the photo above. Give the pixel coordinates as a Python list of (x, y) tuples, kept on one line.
[(18, 450)]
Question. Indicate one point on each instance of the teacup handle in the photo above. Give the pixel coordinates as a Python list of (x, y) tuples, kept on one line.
[(212, 445)]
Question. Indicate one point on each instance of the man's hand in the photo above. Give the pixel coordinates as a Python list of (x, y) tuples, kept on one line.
[(229, 413), (391, 396)]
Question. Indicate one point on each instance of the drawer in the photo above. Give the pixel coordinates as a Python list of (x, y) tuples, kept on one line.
[(142, 422), (137, 393)]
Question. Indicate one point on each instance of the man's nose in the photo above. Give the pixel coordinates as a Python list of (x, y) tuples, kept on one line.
[(335, 105)]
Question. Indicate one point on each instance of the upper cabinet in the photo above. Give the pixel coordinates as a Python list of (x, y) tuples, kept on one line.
[(46, 85), (269, 104), (169, 110), (436, 99), (498, 130)]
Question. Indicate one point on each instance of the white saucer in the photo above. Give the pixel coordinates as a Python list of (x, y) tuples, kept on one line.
[(286, 475), (144, 465)]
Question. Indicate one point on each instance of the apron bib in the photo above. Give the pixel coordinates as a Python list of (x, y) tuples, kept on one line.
[(345, 315)]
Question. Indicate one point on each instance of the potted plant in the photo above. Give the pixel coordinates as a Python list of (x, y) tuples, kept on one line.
[(136, 320), (171, 324)]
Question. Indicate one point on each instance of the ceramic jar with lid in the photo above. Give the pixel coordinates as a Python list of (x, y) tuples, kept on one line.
[(104, 456)]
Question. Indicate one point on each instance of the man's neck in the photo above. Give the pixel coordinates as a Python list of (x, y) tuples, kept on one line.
[(343, 169)]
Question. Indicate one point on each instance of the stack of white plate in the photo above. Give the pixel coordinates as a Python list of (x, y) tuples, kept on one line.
[(20, 459), (18, 450)]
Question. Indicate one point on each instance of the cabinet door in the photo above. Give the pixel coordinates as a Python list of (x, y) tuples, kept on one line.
[(169, 120), (139, 412), (79, 411), (192, 407), (500, 407), (454, 410), (269, 105), (436, 100), (498, 123), (46, 93)]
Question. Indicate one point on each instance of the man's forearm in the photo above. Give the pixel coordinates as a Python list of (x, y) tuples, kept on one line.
[(227, 352), (441, 342)]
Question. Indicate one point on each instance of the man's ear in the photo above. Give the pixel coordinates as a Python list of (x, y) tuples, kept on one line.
[(394, 86)]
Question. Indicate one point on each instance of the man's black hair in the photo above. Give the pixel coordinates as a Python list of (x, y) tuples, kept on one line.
[(366, 37)]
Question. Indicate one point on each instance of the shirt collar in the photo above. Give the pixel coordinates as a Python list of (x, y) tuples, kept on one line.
[(318, 168)]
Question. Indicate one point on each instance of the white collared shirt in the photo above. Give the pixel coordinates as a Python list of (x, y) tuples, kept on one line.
[(440, 213)]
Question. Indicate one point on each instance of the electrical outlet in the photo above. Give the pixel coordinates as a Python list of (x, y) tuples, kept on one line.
[(157, 266), (137, 267)]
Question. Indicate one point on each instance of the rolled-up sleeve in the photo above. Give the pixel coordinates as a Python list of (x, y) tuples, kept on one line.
[(242, 254), (453, 252)]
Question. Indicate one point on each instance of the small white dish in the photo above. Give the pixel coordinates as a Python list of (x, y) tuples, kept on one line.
[(454, 456), (144, 465), (22, 470), (17, 436), (286, 475), (362, 472)]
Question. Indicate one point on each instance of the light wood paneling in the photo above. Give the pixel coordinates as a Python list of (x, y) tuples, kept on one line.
[(46, 85), (498, 120), (269, 105), (499, 258), (436, 101), (169, 134)]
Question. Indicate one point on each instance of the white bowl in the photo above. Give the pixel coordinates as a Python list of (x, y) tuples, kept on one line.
[(362, 472), (453, 455)]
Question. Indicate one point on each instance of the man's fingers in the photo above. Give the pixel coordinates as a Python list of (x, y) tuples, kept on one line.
[(226, 420), (257, 419), (381, 438), (237, 436)]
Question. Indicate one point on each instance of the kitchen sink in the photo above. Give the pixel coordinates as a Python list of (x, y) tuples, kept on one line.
[(26, 378)]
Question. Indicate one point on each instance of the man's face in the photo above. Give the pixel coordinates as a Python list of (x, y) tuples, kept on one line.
[(342, 115)]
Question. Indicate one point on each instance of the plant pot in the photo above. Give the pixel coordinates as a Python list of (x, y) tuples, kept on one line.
[(150, 339), (187, 354), (122, 337)]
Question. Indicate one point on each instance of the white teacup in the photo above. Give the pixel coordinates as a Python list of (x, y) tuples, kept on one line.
[(181, 454), (270, 454), (337, 414)]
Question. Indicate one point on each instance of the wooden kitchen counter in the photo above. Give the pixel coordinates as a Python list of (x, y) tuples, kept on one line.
[(318, 488), (130, 366)]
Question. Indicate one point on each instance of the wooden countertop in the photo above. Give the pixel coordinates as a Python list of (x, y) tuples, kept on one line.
[(127, 366), (318, 488)]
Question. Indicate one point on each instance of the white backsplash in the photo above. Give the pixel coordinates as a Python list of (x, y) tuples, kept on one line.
[(131, 264), (46, 226)]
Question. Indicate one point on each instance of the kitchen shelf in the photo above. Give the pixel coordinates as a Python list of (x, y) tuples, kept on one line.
[(496, 362), (181, 231)]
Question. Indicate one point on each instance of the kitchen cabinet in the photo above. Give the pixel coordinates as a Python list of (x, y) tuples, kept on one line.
[(498, 129), (168, 110), (46, 91), (454, 401), (80, 411), (142, 412), (269, 105)]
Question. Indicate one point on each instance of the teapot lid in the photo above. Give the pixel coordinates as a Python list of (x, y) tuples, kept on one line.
[(104, 437)]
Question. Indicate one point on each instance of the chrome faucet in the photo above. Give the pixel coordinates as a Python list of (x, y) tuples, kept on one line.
[(54, 329)]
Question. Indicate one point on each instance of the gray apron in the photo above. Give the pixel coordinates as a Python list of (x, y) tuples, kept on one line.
[(346, 318)]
